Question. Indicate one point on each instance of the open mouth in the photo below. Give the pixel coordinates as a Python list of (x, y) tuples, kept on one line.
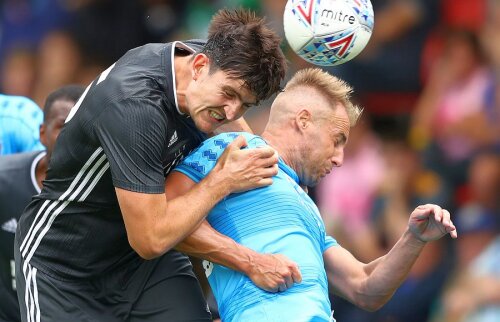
[(217, 116)]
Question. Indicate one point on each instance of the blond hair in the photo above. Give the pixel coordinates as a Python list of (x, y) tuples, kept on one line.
[(333, 88)]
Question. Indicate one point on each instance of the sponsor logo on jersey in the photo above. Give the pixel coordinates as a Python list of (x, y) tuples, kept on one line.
[(10, 225), (173, 139)]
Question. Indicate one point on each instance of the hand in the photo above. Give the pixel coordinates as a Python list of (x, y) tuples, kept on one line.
[(246, 169), (430, 222), (274, 273)]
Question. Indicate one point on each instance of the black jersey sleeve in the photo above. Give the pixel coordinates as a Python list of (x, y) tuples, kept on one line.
[(132, 133)]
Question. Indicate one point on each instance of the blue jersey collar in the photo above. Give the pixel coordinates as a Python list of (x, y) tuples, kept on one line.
[(289, 171)]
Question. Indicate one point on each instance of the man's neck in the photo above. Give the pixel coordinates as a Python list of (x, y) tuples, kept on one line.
[(284, 150), (41, 170)]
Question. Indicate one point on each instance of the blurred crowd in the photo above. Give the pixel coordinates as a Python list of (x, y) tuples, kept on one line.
[(429, 81)]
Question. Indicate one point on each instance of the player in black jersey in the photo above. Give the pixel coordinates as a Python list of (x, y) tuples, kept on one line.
[(21, 177), (95, 244)]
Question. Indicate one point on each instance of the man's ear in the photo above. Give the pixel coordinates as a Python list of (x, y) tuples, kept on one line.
[(303, 119), (200, 63), (43, 136)]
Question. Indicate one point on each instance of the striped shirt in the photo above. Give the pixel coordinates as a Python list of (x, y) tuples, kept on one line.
[(278, 219)]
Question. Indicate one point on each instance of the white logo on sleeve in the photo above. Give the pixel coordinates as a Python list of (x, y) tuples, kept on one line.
[(173, 139), (10, 226)]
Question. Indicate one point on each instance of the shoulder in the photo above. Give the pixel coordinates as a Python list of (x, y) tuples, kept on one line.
[(221, 141), (142, 114), (211, 149), (141, 72)]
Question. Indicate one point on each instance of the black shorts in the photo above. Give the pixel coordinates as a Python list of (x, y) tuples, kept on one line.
[(120, 296)]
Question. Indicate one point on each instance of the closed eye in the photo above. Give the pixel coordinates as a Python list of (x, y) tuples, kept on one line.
[(340, 140)]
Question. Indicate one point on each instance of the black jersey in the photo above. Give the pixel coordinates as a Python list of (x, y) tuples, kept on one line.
[(17, 186), (126, 131)]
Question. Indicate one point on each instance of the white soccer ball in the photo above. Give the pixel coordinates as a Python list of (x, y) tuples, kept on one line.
[(328, 32)]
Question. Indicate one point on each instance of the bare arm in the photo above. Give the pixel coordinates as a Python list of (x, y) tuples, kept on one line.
[(154, 225), (371, 285), (268, 271)]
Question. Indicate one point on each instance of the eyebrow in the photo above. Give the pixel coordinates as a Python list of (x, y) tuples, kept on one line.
[(232, 90)]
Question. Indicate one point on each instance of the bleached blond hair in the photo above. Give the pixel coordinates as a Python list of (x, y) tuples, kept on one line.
[(333, 88)]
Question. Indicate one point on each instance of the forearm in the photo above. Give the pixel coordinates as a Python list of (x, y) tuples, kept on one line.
[(370, 286), (386, 274), (268, 271), (184, 213), (206, 243), (155, 225)]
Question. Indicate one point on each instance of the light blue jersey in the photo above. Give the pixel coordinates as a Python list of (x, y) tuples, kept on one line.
[(279, 219), (20, 120)]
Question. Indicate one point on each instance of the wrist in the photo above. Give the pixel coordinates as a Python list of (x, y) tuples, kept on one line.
[(414, 240), (249, 261), (217, 184)]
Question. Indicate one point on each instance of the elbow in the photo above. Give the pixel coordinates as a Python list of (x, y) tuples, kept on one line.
[(149, 248), (147, 254), (371, 303), (371, 306)]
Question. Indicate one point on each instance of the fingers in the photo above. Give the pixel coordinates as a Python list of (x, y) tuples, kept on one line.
[(239, 143), (266, 161), (266, 152), (441, 217), (438, 213), (296, 275), (448, 224), (269, 171), (288, 281), (290, 275), (424, 211), (262, 157)]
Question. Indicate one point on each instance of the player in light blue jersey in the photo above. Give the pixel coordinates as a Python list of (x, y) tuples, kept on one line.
[(281, 219), (20, 120), (308, 126)]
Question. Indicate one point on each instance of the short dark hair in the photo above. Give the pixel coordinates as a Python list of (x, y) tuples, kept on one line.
[(68, 93), (240, 44)]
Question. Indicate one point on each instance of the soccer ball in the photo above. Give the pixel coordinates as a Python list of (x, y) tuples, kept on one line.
[(328, 32)]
